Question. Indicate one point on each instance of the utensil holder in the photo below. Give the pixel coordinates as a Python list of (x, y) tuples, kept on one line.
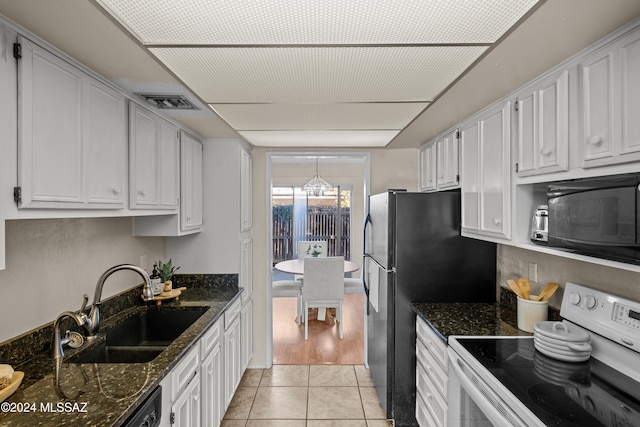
[(530, 312)]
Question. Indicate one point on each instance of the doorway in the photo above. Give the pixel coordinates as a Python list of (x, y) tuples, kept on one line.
[(335, 217)]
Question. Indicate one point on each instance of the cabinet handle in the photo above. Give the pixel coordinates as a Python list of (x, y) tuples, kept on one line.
[(116, 190), (141, 192), (546, 151), (497, 221), (595, 140)]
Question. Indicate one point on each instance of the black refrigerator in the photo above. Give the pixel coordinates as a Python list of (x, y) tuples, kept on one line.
[(414, 253)]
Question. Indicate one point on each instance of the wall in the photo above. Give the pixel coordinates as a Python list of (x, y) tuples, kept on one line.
[(51, 263), (514, 262), (388, 169)]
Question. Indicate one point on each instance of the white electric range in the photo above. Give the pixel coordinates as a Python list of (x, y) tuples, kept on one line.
[(504, 381)]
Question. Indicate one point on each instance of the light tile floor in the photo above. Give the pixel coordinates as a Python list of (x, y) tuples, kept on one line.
[(306, 396)]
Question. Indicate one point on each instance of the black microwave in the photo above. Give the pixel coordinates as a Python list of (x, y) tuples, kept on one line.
[(597, 216)]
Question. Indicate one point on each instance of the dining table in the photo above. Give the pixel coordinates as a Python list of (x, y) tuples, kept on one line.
[(296, 266)]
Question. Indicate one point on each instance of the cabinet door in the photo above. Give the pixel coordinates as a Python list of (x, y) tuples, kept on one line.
[(495, 172), (447, 165), (543, 126), (232, 360), (597, 105), (212, 388), (486, 195), (246, 268), (428, 168), (246, 322), (169, 166), (154, 161), (105, 143), (629, 53), (246, 220), (191, 182), (143, 158), (470, 141), (186, 408), (50, 129)]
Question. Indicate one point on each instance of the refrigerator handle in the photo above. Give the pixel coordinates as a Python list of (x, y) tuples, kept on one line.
[(367, 221), (365, 264), (365, 272)]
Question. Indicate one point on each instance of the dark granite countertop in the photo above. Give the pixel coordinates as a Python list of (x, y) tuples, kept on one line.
[(110, 393), (475, 319)]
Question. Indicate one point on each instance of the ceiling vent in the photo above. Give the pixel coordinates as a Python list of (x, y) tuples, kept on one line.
[(168, 102)]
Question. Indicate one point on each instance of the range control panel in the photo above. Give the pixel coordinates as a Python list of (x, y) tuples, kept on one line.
[(603, 314)]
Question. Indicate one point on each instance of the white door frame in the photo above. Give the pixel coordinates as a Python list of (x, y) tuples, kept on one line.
[(363, 156)]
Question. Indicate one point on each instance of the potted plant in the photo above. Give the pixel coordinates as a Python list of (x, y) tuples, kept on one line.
[(165, 271)]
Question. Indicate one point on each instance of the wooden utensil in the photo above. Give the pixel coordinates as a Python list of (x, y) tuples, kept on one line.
[(525, 287), (514, 287), (547, 291)]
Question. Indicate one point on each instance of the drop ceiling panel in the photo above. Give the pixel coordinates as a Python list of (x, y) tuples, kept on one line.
[(320, 138), (318, 116), (318, 75), (317, 22)]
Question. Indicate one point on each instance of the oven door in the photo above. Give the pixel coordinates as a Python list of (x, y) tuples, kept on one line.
[(472, 402)]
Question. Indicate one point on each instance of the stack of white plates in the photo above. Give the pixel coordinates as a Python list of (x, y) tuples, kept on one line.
[(561, 341)]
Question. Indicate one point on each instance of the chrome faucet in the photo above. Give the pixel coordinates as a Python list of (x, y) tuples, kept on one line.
[(93, 323), (73, 339)]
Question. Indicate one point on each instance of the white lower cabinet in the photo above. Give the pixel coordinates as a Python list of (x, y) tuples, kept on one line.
[(185, 411), (181, 393), (232, 352), (246, 324), (431, 377), (200, 387), (211, 377)]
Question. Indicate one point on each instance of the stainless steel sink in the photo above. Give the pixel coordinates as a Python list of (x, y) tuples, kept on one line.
[(141, 337)]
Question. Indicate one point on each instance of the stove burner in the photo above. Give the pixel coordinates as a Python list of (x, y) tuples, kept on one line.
[(558, 402)]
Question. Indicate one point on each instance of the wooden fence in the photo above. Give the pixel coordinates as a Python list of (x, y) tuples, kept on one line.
[(321, 224)]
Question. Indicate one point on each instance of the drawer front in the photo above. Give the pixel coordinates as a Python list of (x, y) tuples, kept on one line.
[(209, 340), (423, 416), (232, 313), (185, 372), (427, 362), (432, 342), (426, 391)]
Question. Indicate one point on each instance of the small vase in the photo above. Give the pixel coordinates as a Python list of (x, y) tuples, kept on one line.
[(167, 286)]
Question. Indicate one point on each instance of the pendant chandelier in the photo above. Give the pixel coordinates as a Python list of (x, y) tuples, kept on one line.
[(316, 186)]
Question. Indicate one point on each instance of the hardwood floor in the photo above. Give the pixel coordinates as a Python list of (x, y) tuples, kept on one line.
[(324, 345)]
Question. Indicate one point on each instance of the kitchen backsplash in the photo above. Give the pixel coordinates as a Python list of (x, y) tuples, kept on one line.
[(513, 262)]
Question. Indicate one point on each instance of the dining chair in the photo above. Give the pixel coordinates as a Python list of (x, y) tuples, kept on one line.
[(310, 248), (288, 289), (354, 285), (323, 287)]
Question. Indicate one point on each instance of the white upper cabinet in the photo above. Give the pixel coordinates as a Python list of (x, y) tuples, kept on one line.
[(246, 220), (191, 182), (439, 163), (486, 181), (72, 143), (154, 156), (447, 164), (189, 220), (542, 126), (610, 103), (428, 167)]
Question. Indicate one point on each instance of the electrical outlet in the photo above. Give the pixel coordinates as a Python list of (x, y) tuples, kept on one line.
[(533, 272), (143, 262)]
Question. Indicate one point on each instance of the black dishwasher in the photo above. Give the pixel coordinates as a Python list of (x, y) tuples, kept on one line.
[(148, 413)]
